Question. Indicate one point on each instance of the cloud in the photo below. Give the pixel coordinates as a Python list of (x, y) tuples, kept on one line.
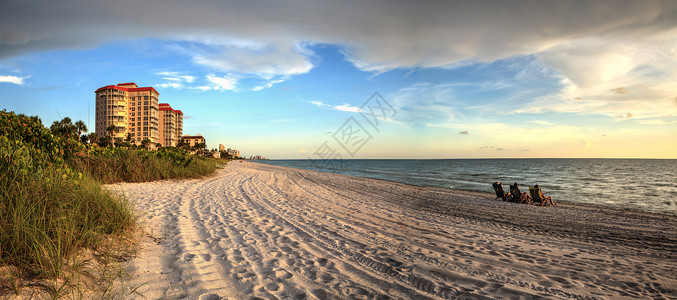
[(593, 46), (620, 90), (13, 79), (220, 83), (175, 85), (347, 107), (463, 132), (343, 107), (541, 122), (176, 77)]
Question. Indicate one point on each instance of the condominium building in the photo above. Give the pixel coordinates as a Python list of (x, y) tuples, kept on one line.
[(171, 125), (135, 110), (193, 139)]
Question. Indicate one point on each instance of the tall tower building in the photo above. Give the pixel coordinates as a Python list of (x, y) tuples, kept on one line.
[(171, 125), (132, 110)]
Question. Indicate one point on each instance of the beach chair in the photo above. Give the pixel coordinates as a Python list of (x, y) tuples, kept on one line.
[(498, 188), (517, 196), (537, 196)]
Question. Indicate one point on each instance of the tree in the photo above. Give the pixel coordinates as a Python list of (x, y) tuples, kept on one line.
[(144, 143), (118, 141), (81, 127), (84, 139), (128, 139), (105, 140), (93, 137), (111, 129), (63, 128)]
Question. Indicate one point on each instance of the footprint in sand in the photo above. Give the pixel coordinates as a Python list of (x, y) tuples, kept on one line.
[(188, 257), (206, 257), (283, 274), (210, 297)]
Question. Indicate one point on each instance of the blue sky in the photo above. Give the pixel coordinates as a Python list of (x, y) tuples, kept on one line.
[(463, 80)]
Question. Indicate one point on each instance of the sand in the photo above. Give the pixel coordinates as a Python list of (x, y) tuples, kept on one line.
[(257, 231)]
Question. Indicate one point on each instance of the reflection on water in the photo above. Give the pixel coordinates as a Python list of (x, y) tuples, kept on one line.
[(644, 184)]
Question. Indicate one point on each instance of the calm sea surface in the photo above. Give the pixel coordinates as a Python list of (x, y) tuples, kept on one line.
[(640, 184)]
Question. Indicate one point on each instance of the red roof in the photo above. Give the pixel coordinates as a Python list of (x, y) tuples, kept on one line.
[(193, 137), (126, 83), (109, 87), (178, 112)]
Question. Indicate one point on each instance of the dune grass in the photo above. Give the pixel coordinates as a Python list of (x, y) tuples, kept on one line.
[(57, 223), (111, 165)]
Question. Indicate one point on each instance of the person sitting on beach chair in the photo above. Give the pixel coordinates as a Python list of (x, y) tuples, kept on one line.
[(537, 196), (518, 196), (498, 188)]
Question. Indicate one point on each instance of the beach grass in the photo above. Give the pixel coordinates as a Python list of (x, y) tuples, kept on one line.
[(50, 214), (112, 165), (61, 231)]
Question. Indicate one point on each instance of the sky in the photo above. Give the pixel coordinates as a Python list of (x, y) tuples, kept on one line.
[(363, 79)]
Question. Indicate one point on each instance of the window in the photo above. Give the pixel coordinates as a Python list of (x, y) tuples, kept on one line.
[(145, 129), (133, 120), (145, 134), (138, 128), (145, 123), (145, 98), (145, 118)]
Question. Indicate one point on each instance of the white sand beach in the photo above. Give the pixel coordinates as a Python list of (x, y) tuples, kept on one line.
[(256, 231)]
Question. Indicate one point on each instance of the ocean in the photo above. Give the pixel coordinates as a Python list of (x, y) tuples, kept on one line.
[(639, 184)]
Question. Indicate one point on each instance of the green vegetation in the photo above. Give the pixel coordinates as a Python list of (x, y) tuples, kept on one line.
[(53, 208), (110, 165)]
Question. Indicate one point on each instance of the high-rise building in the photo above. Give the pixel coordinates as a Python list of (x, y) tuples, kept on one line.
[(171, 125), (134, 110)]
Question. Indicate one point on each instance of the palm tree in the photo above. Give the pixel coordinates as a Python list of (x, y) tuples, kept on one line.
[(145, 143), (110, 129), (81, 127), (105, 140), (64, 128), (93, 137)]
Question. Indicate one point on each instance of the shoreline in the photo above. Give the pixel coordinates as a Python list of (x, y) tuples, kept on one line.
[(257, 230), (489, 191)]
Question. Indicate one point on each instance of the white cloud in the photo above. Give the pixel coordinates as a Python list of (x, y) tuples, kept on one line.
[(269, 84), (177, 77), (541, 122), (347, 107), (343, 107), (221, 83), (175, 85), (13, 79), (318, 103)]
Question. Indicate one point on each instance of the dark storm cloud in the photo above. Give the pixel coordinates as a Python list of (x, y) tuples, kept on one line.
[(377, 35)]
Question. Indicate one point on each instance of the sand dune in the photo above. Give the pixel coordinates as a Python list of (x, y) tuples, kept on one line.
[(259, 231)]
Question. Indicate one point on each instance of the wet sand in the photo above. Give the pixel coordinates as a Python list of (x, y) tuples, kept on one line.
[(258, 231)]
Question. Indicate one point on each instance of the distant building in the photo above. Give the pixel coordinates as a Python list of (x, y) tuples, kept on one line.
[(194, 139), (222, 147), (132, 110), (171, 124), (233, 152), (257, 157)]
